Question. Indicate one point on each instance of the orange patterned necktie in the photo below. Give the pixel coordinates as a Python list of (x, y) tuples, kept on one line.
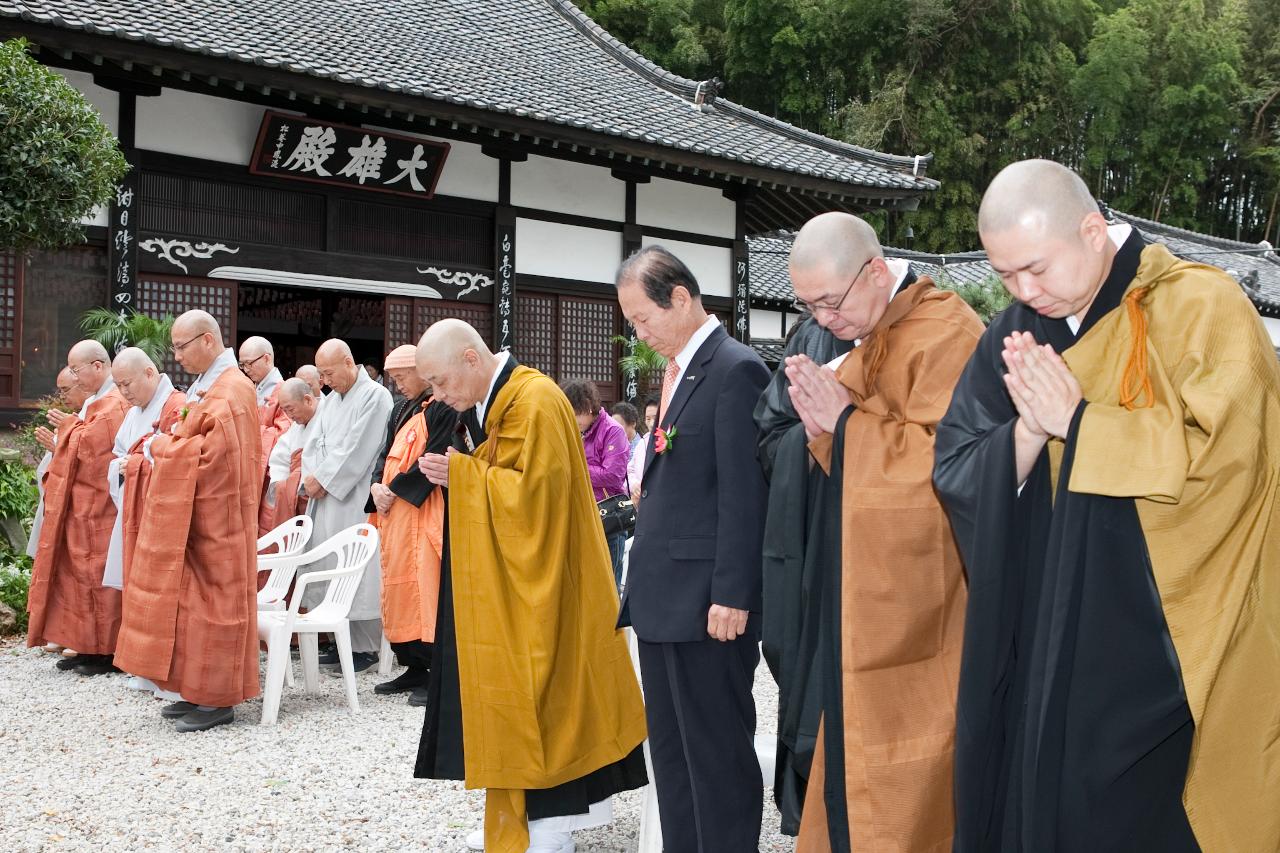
[(668, 387)]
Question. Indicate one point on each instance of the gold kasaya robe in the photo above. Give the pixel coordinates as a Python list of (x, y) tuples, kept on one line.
[(1198, 447), (901, 588), (548, 691)]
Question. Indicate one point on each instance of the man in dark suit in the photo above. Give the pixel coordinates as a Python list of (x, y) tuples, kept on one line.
[(693, 588)]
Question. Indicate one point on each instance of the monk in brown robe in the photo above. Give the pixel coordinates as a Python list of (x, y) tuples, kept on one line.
[(284, 497), (190, 621), (408, 511), (258, 361), (890, 623), (68, 603)]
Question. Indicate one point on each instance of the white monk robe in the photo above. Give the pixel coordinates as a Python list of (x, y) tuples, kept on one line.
[(137, 423), (340, 451), (36, 523)]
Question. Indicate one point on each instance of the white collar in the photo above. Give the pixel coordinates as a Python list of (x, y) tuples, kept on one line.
[(696, 340), (900, 267), (1118, 235), (501, 359), (163, 389), (267, 385), (103, 391)]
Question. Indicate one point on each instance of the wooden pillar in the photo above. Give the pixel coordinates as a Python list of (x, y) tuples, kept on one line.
[(741, 275), (504, 262), (122, 234)]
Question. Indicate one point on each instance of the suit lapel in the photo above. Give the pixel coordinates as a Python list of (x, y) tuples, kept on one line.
[(693, 376)]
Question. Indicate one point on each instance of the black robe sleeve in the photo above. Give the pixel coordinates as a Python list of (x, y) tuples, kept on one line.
[(393, 421), (412, 485)]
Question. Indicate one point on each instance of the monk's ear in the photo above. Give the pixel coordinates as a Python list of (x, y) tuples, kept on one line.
[(1093, 231)]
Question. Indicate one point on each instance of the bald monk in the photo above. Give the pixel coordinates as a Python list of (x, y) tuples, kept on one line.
[(408, 510), (532, 693), (1110, 461), (890, 624), (154, 407), (337, 461), (258, 361), (190, 611), (309, 374), (284, 497), (71, 398), (68, 604)]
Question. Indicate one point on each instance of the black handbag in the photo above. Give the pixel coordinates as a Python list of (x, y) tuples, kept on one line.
[(618, 515)]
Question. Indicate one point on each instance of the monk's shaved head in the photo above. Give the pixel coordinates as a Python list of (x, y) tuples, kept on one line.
[(309, 374), (132, 359), (87, 351), (336, 365), (1038, 193), (455, 361), (839, 241), (69, 389), (297, 401), (256, 346), (294, 389), (136, 376), (90, 363), (197, 322), (197, 341), (257, 358)]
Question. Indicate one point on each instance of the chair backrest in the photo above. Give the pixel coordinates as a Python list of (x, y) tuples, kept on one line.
[(354, 547), (289, 538)]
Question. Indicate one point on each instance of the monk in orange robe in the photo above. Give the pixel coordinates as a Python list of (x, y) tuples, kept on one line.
[(408, 511), (190, 611), (284, 497), (68, 604), (889, 619), (258, 361)]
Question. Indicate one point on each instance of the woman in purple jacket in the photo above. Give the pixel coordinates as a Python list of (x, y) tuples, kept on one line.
[(607, 451)]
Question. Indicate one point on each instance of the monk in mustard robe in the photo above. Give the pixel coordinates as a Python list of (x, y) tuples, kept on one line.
[(1110, 462), (888, 612), (532, 693)]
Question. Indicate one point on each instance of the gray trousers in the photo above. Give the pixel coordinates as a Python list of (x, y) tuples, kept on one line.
[(366, 635)]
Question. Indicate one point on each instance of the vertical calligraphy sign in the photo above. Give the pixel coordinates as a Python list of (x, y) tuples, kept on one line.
[(122, 244), (632, 240), (741, 293), (504, 300)]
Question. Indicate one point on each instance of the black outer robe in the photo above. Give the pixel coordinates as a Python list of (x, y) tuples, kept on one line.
[(1073, 730), (794, 554)]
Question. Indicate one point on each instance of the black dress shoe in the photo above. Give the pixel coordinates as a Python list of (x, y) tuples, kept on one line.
[(329, 658), (97, 664), (177, 710), (68, 664), (418, 698), (403, 683), (198, 720), (360, 661)]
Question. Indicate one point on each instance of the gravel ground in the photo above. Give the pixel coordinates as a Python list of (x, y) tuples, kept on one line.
[(86, 764)]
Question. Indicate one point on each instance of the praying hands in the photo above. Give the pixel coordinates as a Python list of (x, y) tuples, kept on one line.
[(1044, 390), (817, 395)]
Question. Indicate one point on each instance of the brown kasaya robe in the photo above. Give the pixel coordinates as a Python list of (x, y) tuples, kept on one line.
[(190, 603), (272, 422), (901, 588), (67, 601), (137, 478)]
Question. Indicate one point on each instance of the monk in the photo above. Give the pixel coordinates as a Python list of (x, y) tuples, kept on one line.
[(337, 462), (408, 510), (284, 497), (71, 399), (258, 361), (889, 624), (1110, 461), (68, 604), (532, 695), (190, 622), (309, 374)]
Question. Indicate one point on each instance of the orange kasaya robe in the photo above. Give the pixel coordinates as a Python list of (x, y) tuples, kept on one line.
[(902, 590), (137, 477), (67, 601), (288, 500), (412, 545), (190, 602), (272, 422)]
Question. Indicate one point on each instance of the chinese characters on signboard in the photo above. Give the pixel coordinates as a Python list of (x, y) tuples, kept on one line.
[(741, 299), (504, 298), (311, 150), (122, 246)]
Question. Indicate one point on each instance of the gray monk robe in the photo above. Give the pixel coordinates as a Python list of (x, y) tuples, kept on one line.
[(340, 451)]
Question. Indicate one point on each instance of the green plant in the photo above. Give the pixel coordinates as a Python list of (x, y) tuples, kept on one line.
[(18, 493), (58, 160), (988, 298), (15, 581), (641, 361), (115, 331)]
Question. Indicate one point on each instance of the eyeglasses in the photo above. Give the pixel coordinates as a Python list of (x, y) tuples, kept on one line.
[(75, 371), (815, 307), (245, 365), (180, 347)]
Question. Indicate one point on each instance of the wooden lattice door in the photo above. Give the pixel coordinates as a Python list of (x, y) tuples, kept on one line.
[(158, 297), (10, 309), (409, 317)]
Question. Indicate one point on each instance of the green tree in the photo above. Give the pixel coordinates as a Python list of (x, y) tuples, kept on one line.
[(58, 161)]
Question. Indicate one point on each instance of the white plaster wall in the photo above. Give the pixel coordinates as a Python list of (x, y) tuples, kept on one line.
[(711, 265), (468, 173), (1273, 329), (105, 101), (202, 126), (678, 206), (567, 251), (766, 324), (792, 319), (565, 187)]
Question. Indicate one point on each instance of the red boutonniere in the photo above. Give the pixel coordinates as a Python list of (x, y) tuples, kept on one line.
[(662, 440)]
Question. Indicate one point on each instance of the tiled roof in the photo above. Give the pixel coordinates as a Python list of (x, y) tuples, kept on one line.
[(539, 60)]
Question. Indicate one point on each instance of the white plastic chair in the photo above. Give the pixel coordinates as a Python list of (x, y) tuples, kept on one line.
[(385, 657), (289, 538), (353, 547)]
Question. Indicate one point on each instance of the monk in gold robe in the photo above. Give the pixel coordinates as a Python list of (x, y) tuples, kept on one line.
[(190, 622), (889, 624), (284, 497), (68, 604), (1110, 462), (532, 694), (408, 510), (258, 361)]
